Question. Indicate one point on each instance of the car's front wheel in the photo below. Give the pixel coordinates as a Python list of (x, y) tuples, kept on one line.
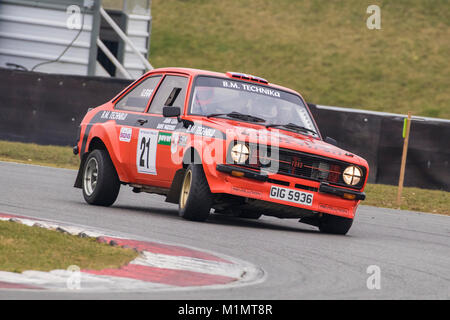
[(101, 184), (335, 224), (195, 197)]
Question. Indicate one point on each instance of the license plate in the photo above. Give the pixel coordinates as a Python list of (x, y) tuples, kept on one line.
[(291, 195)]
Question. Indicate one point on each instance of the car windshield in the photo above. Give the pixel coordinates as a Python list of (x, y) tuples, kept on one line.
[(224, 97)]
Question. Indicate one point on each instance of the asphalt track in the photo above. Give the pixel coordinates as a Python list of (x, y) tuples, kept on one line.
[(411, 249)]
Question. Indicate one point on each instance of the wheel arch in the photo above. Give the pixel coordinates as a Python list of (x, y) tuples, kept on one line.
[(191, 155), (95, 143)]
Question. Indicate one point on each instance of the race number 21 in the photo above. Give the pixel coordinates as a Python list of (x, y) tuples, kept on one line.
[(146, 151)]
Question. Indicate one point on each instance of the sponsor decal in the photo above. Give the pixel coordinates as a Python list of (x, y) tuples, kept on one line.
[(167, 127), (170, 121), (333, 208), (201, 131), (164, 138), (174, 142), (168, 124), (177, 140), (251, 88), (125, 134), (112, 115), (250, 193), (182, 141)]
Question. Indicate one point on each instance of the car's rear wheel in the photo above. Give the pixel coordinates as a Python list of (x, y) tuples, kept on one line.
[(335, 224), (195, 196), (101, 184)]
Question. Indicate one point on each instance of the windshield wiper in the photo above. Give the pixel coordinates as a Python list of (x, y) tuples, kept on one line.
[(238, 115), (291, 126)]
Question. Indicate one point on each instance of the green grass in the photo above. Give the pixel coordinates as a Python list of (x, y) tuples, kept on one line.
[(322, 49), (54, 156), (415, 199), (433, 201), (32, 248)]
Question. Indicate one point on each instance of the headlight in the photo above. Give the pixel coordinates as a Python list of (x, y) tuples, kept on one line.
[(240, 153), (352, 175)]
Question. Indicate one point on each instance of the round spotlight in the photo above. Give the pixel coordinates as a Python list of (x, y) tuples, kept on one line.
[(240, 153), (352, 175)]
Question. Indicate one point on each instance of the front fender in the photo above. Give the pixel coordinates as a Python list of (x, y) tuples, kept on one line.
[(211, 151), (107, 133)]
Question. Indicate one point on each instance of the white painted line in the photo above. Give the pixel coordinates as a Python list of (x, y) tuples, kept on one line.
[(191, 264)]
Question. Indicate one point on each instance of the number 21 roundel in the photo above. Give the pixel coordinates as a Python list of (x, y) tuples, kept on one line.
[(146, 151)]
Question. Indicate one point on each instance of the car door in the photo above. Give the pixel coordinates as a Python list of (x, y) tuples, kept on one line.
[(154, 161), (134, 104)]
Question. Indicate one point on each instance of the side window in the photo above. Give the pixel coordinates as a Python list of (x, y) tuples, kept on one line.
[(137, 98), (171, 92)]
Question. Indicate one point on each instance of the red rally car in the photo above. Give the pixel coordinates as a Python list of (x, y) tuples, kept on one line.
[(230, 142)]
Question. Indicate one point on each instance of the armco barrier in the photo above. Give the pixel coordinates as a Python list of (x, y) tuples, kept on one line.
[(47, 108)]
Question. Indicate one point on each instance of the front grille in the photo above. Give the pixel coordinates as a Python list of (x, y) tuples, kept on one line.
[(306, 166), (297, 164)]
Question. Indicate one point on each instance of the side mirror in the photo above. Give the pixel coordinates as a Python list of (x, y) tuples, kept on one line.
[(331, 141), (170, 112)]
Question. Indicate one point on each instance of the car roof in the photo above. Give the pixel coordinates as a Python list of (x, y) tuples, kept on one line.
[(195, 72)]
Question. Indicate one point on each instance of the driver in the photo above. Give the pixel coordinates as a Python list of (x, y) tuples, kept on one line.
[(202, 99)]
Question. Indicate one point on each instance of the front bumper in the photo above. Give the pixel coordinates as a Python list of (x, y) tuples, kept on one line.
[(247, 173), (327, 198), (340, 192)]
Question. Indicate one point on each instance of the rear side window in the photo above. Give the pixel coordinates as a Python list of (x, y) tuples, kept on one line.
[(137, 98), (172, 92)]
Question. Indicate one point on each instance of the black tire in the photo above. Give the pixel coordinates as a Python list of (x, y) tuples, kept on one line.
[(250, 214), (107, 185), (335, 224), (195, 205)]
